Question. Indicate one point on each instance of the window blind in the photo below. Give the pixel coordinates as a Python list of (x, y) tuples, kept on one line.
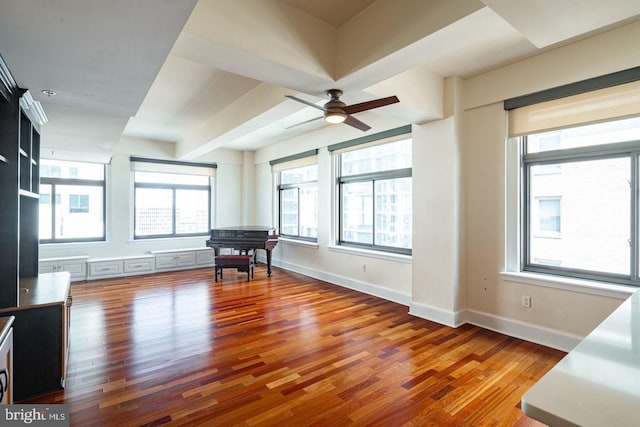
[(369, 140), (615, 102), (299, 160), (139, 164)]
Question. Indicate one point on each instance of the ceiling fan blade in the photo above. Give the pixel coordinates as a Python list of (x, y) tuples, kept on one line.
[(369, 105), (310, 104), (302, 123), (352, 121)]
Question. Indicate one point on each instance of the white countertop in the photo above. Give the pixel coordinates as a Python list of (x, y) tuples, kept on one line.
[(598, 382)]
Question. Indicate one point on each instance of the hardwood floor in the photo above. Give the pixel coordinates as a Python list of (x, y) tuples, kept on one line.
[(180, 349)]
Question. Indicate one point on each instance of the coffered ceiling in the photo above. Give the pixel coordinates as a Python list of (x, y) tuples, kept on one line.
[(214, 73)]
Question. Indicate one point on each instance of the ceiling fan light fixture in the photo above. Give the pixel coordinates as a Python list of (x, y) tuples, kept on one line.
[(334, 117)]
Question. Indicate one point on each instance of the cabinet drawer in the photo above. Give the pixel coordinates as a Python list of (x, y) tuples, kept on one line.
[(185, 259), (166, 260), (205, 257), (175, 260), (138, 264), (105, 268)]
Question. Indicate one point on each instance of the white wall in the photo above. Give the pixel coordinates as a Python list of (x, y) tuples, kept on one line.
[(494, 299)]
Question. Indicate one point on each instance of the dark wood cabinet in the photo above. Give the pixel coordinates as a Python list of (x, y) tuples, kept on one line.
[(40, 334), (20, 118), (38, 303)]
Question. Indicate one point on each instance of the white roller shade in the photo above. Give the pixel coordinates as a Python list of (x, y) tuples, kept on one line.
[(614, 102), (307, 158), (147, 165)]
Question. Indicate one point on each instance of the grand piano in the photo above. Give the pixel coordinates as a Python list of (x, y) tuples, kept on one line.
[(244, 238)]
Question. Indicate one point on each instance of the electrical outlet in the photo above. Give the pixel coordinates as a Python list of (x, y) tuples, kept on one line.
[(526, 301)]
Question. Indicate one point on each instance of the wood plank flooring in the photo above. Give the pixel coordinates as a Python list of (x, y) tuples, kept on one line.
[(180, 349)]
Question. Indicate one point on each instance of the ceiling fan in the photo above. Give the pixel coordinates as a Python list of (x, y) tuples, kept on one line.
[(336, 111)]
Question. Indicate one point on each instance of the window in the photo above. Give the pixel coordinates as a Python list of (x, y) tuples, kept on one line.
[(583, 220), (171, 205), (78, 190), (375, 196), (298, 201), (78, 203), (549, 214)]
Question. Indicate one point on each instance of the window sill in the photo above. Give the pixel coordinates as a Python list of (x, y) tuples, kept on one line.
[(294, 242), (148, 240), (605, 289), (388, 256), (74, 244)]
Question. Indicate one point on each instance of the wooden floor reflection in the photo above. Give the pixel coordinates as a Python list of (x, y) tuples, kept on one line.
[(181, 349)]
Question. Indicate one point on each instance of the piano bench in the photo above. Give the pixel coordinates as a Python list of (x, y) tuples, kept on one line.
[(240, 262)]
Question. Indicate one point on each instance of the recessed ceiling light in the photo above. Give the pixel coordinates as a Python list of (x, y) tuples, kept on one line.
[(49, 92)]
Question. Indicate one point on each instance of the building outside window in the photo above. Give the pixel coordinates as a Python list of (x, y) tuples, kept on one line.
[(375, 196), (298, 202), (549, 215), (72, 201), (171, 204), (580, 203)]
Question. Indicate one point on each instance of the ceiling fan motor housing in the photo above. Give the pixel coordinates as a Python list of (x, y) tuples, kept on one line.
[(334, 103)]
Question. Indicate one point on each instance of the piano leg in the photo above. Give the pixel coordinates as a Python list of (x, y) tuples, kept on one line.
[(268, 251)]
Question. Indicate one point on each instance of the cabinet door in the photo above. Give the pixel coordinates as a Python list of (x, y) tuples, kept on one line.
[(186, 259), (205, 257), (167, 260), (138, 265), (47, 267), (66, 323), (37, 350), (77, 269), (105, 268)]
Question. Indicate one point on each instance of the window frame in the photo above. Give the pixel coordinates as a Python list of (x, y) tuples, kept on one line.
[(620, 150), (281, 188), (173, 187), (53, 182), (372, 177)]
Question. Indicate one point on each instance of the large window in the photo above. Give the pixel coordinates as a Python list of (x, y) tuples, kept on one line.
[(298, 201), (171, 204), (375, 196), (72, 201), (580, 201)]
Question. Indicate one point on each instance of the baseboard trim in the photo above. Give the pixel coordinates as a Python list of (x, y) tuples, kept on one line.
[(515, 328), (356, 285), (448, 318), (538, 334)]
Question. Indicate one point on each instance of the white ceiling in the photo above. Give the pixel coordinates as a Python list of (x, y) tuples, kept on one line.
[(213, 73)]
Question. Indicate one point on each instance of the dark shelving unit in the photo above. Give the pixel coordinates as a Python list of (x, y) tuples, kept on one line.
[(39, 303)]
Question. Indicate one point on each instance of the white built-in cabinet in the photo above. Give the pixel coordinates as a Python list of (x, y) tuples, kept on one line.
[(184, 259), (85, 268), (139, 265), (76, 266)]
